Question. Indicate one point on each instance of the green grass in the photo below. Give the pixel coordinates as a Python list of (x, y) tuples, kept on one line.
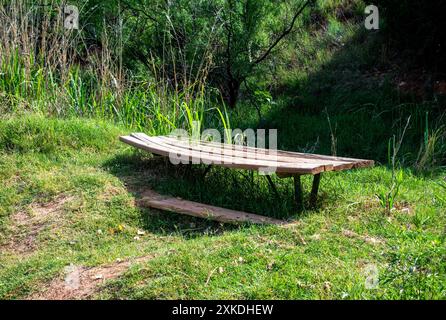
[(323, 255), (138, 102), (65, 174)]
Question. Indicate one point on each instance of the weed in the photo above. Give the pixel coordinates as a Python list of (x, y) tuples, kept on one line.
[(432, 149), (388, 196)]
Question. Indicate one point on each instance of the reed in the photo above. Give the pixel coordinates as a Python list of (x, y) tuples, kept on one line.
[(48, 69)]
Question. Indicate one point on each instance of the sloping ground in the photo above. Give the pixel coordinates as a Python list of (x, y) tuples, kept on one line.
[(70, 227), (80, 282), (26, 226)]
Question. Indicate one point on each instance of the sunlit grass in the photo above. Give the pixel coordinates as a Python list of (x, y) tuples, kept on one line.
[(322, 256)]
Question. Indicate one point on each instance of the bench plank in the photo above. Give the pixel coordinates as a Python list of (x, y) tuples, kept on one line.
[(200, 210), (286, 163), (339, 163), (158, 147), (221, 153), (238, 151)]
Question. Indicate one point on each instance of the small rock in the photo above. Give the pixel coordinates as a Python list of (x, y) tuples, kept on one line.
[(315, 236)]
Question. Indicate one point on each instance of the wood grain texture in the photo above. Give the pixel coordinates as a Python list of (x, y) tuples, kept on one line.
[(195, 156), (287, 156), (200, 210), (284, 163)]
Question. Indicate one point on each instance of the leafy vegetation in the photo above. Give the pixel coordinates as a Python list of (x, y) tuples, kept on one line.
[(70, 191), (102, 178)]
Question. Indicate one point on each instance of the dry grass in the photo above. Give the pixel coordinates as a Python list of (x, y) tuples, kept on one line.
[(27, 225), (80, 282), (47, 66)]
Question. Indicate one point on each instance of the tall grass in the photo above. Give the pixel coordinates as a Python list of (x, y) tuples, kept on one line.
[(433, 149), (48, 69)]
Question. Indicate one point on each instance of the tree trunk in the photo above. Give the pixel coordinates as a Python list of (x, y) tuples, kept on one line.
[(233, 92)]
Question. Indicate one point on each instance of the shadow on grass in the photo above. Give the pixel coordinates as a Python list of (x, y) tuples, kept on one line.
[(353, 104), (354, 89), (228, 188)]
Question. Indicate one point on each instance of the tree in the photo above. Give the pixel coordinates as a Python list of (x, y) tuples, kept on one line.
[(252, 30), (233, 38)]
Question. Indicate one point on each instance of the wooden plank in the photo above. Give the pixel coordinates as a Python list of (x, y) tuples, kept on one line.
[(338, 163), (357, 163), (219, 152), (240, 151), (200, 210), (155, 146), (235, 156)]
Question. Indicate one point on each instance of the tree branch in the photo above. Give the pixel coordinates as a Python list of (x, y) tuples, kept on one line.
[(128, 6), (284, 33)]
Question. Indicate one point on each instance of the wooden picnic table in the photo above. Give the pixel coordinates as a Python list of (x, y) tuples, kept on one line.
[(283, 163)]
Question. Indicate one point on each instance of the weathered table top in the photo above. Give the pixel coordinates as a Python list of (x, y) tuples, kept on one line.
[(242, 157)]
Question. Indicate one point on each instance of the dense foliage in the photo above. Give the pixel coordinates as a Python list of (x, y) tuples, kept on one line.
[(158, 65), (224, 41), (70, 191)]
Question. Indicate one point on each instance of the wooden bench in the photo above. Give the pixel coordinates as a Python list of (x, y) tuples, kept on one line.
[(283, 163)]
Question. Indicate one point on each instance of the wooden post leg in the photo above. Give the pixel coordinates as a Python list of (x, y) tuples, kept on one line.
[(298, 193), (314, 190), (272, 185)]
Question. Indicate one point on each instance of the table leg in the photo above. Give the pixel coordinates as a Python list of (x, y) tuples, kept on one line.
[(298, 196), (272, 185), (314, 190)]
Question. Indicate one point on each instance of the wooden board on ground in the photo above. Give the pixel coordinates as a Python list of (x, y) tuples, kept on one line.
[(166, 203)]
